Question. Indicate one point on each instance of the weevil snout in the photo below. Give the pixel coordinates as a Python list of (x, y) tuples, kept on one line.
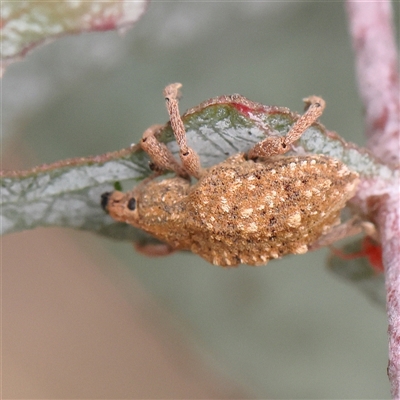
[(104, 200)]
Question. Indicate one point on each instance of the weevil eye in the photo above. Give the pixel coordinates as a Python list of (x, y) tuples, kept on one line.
[(104, 200), (132, 204)]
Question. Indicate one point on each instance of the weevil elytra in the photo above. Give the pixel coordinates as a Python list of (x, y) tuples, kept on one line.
[(248, 209)]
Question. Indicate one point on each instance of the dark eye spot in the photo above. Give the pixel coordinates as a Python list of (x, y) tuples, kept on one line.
[(104, 200), (132, 204)]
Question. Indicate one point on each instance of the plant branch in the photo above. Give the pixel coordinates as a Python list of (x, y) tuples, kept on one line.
[(389, 221), (373, 35), (372, 31)]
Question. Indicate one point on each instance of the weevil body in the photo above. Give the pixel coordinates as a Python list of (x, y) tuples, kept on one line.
[(242, 211), (245, 210)]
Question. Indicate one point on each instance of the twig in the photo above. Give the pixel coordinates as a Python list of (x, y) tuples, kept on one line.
[(372, 31), (389, 221), (374, 43)]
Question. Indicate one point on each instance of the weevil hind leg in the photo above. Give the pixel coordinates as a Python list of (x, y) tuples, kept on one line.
[(351, 227)]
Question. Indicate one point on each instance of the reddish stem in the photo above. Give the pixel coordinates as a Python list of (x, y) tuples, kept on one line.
[(374, 43), (372, 31), (388, 219)]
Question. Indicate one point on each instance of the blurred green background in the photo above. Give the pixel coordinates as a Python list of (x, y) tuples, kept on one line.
[(286, 330)]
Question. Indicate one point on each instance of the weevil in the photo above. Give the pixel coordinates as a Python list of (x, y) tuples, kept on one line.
[(248, 209)]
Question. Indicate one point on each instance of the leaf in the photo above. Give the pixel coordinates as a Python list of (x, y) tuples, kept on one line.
[(68, 193), (354, 265), (26, 24)]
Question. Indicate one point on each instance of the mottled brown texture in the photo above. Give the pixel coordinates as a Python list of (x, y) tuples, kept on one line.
[(242, 211)]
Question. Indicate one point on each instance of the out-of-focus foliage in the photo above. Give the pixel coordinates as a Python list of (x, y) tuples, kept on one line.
[(26, 24)]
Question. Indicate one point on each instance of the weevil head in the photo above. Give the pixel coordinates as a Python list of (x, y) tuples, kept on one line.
[(154, 207), (121, 206)]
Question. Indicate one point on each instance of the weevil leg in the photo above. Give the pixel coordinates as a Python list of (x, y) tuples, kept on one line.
[(351, 227), (274, 145), (159, 153), (189, 157), (153, 249)]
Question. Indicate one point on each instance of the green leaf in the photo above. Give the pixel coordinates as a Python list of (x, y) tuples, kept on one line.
[(68, 193), (26, 24)]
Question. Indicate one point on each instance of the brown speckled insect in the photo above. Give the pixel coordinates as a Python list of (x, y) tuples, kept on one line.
[(247, 209)]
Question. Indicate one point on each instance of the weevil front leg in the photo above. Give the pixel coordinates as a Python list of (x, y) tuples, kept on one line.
[(274, 145), (190, 159), (159, 153)]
